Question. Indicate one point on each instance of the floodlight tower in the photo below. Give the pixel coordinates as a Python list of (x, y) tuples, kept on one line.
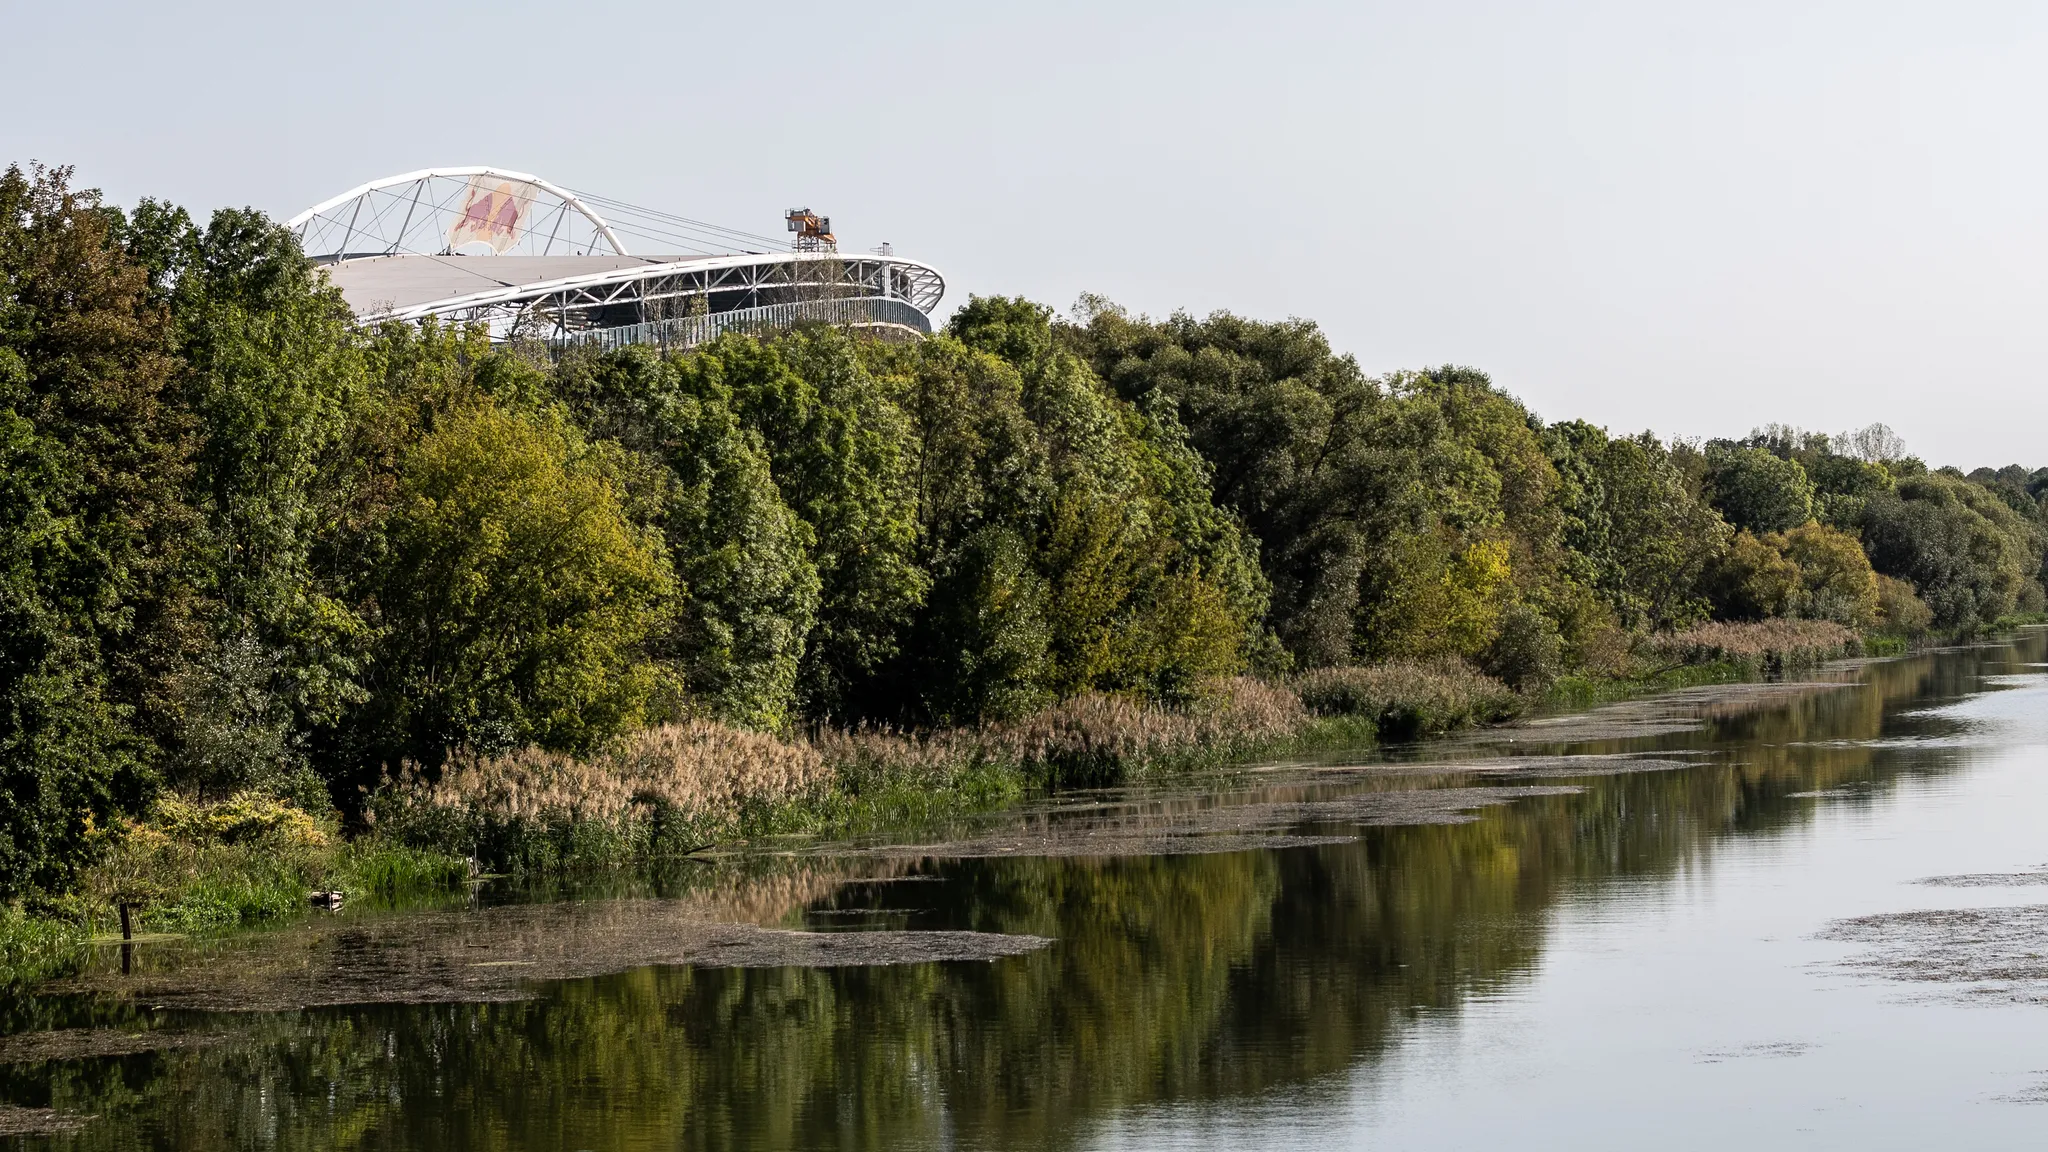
[(813, 232)]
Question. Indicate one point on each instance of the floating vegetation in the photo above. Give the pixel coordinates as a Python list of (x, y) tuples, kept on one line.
[(498, 953), (1671, 713), (2030, 878), (38, 1121), (92, 1043), (1995, 953), (1195, 828), (1775, 1050)]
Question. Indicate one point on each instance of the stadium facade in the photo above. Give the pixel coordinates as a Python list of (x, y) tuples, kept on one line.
[(532, 260)]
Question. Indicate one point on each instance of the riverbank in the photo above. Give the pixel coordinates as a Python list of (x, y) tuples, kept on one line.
[(681, 789)]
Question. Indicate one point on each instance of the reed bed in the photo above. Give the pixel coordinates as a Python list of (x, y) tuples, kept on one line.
[(1769, 646), (660, 790), (683, 787), (1089, 740), (1409, 698)]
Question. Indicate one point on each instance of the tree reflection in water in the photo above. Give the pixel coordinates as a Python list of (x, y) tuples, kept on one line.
[(1173, 978)]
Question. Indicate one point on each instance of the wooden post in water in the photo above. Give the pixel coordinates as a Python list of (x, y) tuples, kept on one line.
[(127, 931)]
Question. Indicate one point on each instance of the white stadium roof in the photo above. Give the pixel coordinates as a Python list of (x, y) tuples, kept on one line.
[(523, 256)]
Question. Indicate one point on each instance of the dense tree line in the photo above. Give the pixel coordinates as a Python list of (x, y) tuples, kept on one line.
[(244, 544)]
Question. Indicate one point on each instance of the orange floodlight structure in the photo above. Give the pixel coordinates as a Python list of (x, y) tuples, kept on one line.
[(813, 232)]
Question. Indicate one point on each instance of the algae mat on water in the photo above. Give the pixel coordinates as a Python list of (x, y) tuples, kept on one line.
[(496, 953)]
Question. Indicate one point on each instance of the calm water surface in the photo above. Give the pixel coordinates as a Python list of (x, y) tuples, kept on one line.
[(1631, 959)]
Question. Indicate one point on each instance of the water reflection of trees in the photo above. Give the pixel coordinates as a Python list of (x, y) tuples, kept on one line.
[(1174, 978)]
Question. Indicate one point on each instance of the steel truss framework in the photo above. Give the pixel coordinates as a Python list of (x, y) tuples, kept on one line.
[(413, 213), (410, 215), (861, 314), (649, 292)]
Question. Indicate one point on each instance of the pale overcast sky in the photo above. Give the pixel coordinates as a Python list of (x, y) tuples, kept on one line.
[(1694, 218)]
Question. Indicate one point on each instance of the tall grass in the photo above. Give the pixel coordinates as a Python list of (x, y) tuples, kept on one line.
[(36, 948), (1408, 699), (1770, 647), (683, 787), (1089, 740), (661, 790), (206, 867)]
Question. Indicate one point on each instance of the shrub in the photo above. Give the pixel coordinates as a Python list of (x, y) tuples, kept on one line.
[(1754, 580), (1900, 611), (1836, 581), (245, 818), (1526, 653), (197, 866)]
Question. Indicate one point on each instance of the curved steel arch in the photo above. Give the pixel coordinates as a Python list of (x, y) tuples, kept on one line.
[(569, 199)]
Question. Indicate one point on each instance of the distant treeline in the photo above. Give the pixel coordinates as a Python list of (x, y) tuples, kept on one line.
[(245, 545)]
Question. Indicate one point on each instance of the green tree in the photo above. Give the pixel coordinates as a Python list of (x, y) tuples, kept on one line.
[(838, 448), (1150, 587), (1644, 541), (514, 595), (96, 615), (1310, 454), (1968, 554), (269, 367), (747, 589), (1756, 491), (983, 651)]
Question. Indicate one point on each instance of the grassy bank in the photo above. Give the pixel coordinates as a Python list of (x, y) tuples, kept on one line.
[(196, 868), (678, 789), (684, 788)]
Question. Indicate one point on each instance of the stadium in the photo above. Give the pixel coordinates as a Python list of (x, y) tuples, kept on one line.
[(531, 260)]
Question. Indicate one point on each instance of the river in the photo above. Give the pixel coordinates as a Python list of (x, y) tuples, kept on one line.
[(1779, 916)]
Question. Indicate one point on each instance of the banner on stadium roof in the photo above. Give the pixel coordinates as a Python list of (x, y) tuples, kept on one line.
[(494, 212)]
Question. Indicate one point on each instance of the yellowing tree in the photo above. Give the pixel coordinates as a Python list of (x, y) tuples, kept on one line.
[(516, 594)]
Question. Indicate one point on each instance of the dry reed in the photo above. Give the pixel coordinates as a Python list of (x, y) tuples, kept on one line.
[(1770, 643), (1090, 739), (1409, 698), (689, 781)]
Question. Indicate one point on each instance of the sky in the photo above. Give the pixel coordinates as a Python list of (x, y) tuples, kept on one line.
[(1695, 218)]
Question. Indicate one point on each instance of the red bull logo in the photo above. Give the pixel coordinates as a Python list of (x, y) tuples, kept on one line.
[(494, 212)]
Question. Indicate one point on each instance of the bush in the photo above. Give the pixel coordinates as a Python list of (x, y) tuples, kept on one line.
[(1526, 653), (1900, 612), (1406, 699), (1754, 580), (195, 866), (245, 818), (1836, 581)]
